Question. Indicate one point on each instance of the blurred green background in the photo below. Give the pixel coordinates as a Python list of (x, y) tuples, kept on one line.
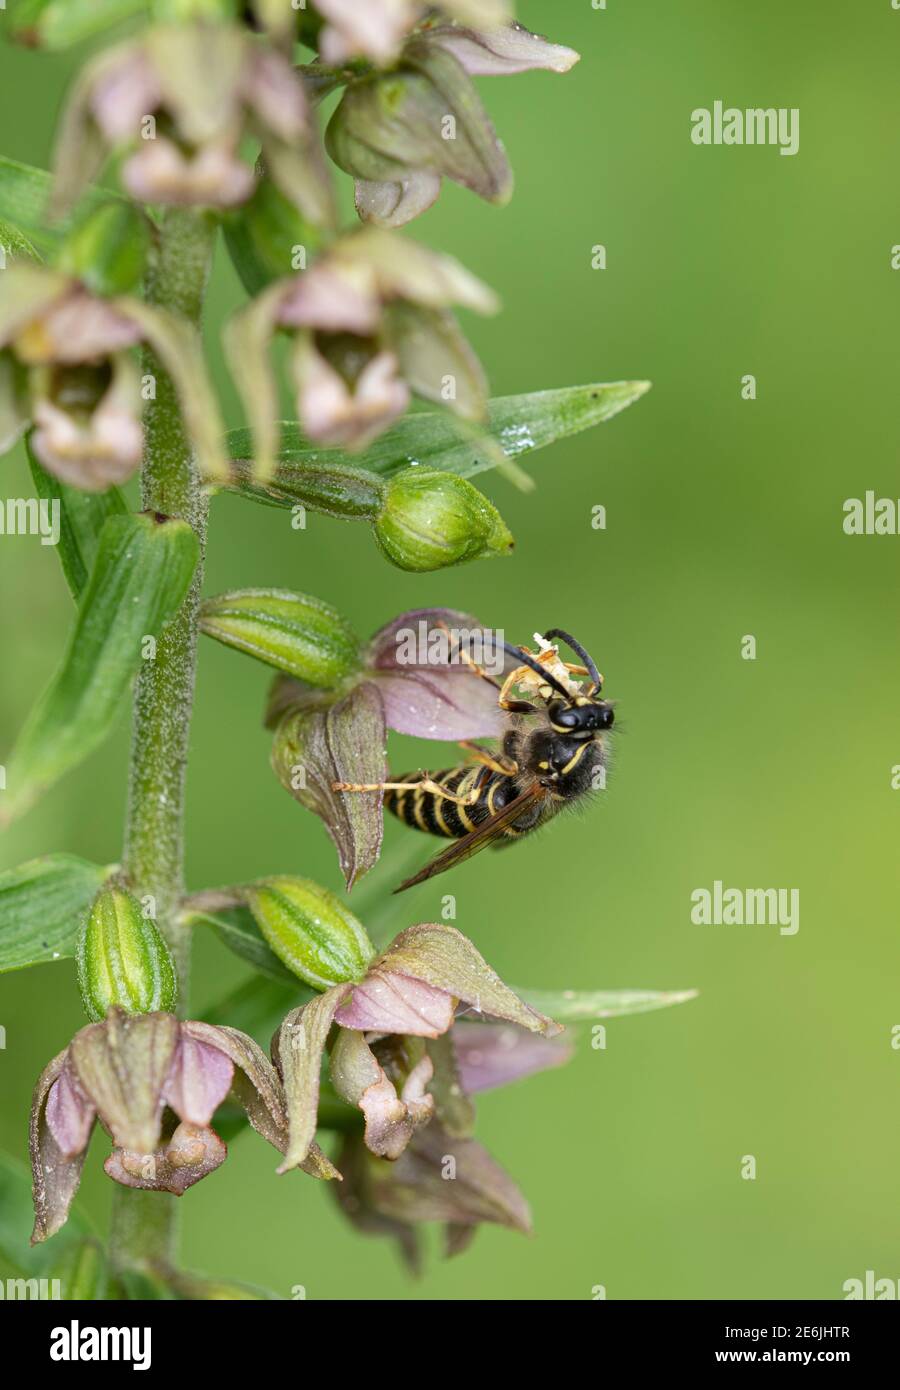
[(724, 519)]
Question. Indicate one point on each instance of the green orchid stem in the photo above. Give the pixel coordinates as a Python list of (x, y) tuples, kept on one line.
[(144, 1223)]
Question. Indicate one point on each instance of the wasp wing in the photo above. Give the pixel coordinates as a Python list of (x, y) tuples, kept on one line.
[(483, 835)]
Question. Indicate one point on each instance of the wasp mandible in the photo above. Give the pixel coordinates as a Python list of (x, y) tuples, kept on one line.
[(552, 754)]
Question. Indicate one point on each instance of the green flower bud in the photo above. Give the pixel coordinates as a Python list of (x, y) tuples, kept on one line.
[(292, 632), (82, 1271), (123, 959), (108, 250), (431, 519), (334, 489), (268, 238), (310, 930)]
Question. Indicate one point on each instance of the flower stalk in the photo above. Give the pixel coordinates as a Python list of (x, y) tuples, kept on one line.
[(144, 1223)]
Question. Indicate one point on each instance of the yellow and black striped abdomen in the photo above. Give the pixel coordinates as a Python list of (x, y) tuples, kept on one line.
[(434, 814)]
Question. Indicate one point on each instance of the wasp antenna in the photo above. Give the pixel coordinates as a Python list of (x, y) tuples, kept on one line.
[(578, 649), (524, 659)]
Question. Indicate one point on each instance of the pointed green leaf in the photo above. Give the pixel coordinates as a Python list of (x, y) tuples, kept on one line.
[(573, 1005), (41, 905), (24, 197), (17, 1219), (141, 574), (82, 516), (519, 424)]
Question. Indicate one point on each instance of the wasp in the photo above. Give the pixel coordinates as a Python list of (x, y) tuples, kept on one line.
[(552, 753)]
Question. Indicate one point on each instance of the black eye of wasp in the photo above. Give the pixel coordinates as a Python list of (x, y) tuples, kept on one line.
[(563, 716)]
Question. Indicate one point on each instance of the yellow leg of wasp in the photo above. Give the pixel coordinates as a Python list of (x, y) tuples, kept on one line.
[(426, 785), (497, 762)]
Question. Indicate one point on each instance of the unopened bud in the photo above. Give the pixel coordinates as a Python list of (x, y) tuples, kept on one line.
[(123, 960), (310, 930), (292, 632), (431, 519)]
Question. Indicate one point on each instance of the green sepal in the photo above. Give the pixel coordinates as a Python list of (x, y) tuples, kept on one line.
[(331, 488), (123, 961), (292, 632), (309, 929)]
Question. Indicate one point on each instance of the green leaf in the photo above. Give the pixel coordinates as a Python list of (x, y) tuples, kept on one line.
[(237, 929), (141, 574), (24, 196), (17, 1219), (573, 1005), (41, 905), (60, 23), (519, 424), (14, 246), (82, 516)]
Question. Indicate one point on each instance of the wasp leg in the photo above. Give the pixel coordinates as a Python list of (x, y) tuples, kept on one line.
[(514, 706), (472, 665), (425, 785), (496, 762)]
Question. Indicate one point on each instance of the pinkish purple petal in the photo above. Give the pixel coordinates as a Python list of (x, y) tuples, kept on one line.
[(443, 957), (275, 94), (77, 328), (70, 1115), (124, 92), (428, 691), (213, 177), (495, 1054), (55, 1177), (507, 50), (189, 1155), (199, 1081), (333, 299), (388, 1002), (359, 1079)]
